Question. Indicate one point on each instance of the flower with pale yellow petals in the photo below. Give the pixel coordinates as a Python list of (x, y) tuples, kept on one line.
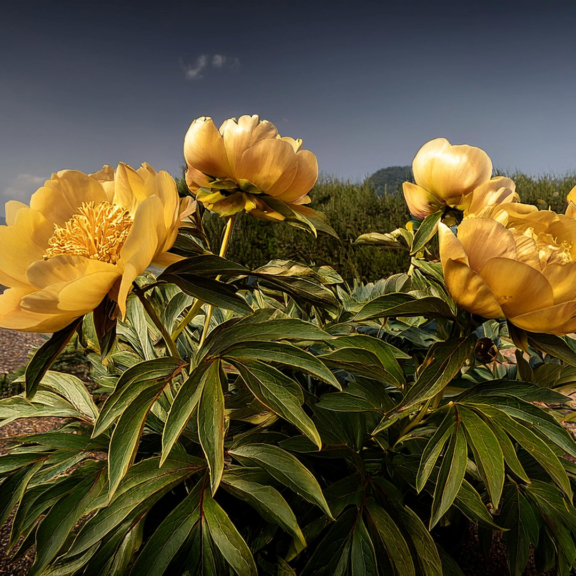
[(84, 237), (520, 266), (571, 209), (456, 177), (246, 166)]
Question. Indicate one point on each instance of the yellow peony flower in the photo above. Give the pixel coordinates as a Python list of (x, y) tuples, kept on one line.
[(454, 176), (521, 266), (81, 238), (246, 165), (571, 209)]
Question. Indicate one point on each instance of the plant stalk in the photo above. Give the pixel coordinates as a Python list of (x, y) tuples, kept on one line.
[(222, 253), (154, 317)]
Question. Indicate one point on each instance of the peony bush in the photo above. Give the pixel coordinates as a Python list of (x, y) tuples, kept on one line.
[(278, 420)]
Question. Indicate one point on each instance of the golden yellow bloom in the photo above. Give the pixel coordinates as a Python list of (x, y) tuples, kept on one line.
[(521, 266), (81, 238), (571, 209), (454, 176), (246, 165)]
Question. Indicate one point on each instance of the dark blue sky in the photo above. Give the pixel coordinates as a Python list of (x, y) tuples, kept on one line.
[(363, 82)]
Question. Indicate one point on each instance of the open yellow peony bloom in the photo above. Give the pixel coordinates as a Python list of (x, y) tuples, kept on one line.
[(81, 238), (521, 266), (571, 209), (454, 176), (246, 165)]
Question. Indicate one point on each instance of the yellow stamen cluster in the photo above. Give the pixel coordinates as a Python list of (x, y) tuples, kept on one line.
[(97, 231)]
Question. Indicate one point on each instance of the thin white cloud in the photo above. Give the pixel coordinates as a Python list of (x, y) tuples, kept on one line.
[(23, 186), (194, 71), (218, 61)]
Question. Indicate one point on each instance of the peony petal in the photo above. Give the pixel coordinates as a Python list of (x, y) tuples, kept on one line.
[(69, 284), (12, 207), (129, 188), (271, 165), (14, 317), (484, 239), (559, 319), (562, 278), (142, 245), (106, 177), (22, 244), (517, 287), (64, 193), (306, 177), (196, 179), (204, 149), (450, 172), (420, 202), (497, 190), (240, 135), (527, 251), (469, 290), (450, 247)]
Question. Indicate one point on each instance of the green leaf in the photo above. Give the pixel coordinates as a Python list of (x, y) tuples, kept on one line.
[(144, 484), (58, 523), (450, 476), (11, 462), (520, 518), (73, 390), (126, 435), (283, 353), (228, 540), (524, 390), (269, 503), (442, 363), (553, 345), (434, 449), (391, 539), (487, 453), (286, 469), (255, 329), (164, 544), (182, 408), (402, 304), (208, 265), (510, 456), (334, 549), (280, 394), (45, 356), (536, 447), (147, 374), (13, 489), (362, 554), (425, 232), (343, 402), (212, 292), (211, 424), (470, 503)]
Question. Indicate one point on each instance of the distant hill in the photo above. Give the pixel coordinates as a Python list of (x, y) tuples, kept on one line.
[(388, 181)]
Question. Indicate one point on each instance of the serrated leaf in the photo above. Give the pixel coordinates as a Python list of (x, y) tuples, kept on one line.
[(228, 540), (211, 424), (286, 469)]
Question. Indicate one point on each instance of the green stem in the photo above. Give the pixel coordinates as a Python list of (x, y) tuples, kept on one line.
[(223, 248), (192, 313), (154, 317), (417, 419)]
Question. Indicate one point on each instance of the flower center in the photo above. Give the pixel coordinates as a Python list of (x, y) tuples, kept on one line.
[(97, 231), (550, 249)]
